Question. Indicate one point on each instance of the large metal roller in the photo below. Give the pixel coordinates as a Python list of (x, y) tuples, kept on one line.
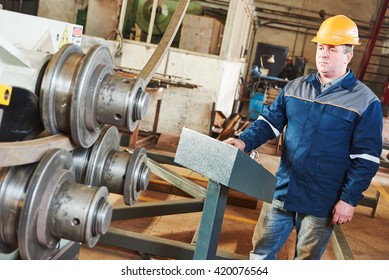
[(42, 204), (122, 171), (80, 93), (54, 183)]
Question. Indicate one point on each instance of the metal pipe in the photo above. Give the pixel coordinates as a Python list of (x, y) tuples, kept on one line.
[(151, 66), (373, 39), (152, 20)]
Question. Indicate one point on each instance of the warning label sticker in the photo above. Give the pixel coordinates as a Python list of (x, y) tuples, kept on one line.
[(5, 95), (64, 38), (77, 35)]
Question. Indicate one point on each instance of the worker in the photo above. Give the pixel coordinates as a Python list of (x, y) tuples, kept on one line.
[(332, 146), (289, 72)]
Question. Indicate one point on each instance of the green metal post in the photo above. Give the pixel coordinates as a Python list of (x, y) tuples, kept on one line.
[(211, 221)]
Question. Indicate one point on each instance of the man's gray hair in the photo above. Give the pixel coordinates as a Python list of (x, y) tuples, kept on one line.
[(348, 48)]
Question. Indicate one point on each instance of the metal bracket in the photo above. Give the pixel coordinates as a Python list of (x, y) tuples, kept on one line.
[(226, 167), (371, 202), (224, 164)]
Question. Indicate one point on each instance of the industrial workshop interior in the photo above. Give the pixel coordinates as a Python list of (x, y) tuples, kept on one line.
[(113, 116)]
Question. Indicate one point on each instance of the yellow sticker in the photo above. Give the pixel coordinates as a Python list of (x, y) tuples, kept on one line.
[(5, 94), (65, 38)]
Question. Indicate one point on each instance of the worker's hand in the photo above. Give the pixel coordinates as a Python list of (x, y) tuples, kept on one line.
[(342, 213), (235, 142)]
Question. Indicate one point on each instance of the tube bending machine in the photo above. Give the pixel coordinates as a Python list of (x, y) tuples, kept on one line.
[(59, 154), (60, 157)]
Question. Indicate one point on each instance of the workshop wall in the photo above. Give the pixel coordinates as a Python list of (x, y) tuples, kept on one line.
[(293, 24), (186, 107), (65, 11)]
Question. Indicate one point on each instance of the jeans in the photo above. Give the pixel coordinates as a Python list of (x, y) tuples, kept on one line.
[(275, 225)]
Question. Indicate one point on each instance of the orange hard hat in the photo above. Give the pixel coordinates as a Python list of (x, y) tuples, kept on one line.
[(337, 30)]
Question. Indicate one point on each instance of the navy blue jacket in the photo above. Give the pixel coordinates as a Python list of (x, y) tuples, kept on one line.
[(333, 141)]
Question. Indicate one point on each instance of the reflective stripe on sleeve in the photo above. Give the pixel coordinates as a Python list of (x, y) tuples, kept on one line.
[(275, 130), (367, 157)]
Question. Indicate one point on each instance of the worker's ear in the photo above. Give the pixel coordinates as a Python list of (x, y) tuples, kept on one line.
[(349, 56)]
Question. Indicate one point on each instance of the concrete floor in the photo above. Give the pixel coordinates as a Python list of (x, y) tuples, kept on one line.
[(366, 236)]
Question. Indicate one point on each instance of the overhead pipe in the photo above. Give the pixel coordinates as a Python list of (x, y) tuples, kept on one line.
[(373, 39), (284, 18), (259, 6)]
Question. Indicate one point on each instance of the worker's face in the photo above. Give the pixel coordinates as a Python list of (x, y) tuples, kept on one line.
[(331, 61)]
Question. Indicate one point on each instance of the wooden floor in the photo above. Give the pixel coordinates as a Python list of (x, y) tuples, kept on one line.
[(366, 236)]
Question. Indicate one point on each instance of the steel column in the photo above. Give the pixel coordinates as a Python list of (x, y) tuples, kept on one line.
[(370, 45), (211, 221)]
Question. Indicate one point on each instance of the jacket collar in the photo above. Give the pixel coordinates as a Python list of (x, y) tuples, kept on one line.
[(349, 82)]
